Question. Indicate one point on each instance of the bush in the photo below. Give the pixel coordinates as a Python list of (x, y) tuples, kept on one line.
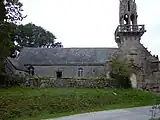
[(8, 80), (121, 81), (110, 82), (121, 71)]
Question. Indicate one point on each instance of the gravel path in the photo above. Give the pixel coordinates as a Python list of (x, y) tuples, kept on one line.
[(138, 113)]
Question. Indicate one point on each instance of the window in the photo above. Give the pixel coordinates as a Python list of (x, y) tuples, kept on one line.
[(80, 72), (31, 70), (126, 18), (129, 6), (59, 74), (132, 18)]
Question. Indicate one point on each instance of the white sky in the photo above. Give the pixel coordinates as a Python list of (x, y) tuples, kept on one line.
[(91, 23)]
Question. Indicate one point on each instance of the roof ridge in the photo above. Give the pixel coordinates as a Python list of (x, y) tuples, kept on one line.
[(73, 48)]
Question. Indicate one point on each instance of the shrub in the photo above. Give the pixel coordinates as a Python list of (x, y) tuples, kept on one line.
[(8, 80), (109, 82), (120, 71)]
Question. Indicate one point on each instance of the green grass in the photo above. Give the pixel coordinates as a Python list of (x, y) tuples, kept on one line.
[(35, 104)]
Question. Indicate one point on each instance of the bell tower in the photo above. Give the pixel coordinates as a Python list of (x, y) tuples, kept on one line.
[(128, 12), (128, 32)]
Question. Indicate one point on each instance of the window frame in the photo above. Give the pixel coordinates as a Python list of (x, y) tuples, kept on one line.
[(80, 72)]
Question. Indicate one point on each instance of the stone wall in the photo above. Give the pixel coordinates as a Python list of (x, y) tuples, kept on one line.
[(50, 82), (71, 82), (84, 83), (154, 87), (69, 71)]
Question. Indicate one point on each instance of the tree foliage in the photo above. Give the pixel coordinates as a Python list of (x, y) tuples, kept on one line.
[(30, 35), (5, 43), (10, 12), (120, 70)]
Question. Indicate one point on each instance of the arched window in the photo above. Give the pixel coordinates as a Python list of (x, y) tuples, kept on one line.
[(126, 18), (80, 72)]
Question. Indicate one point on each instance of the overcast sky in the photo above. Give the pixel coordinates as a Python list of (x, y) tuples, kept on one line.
[(91, 23)]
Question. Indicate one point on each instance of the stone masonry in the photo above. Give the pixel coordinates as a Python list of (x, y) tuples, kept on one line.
[(128, 35)]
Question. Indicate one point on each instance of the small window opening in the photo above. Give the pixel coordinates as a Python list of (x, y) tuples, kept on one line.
[(31, 70), (132, 19), (126, 19), (59, 74), (129, 9), (80, 72)]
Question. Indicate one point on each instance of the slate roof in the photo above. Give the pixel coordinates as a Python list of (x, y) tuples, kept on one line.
[(55, 56), (16, 64)]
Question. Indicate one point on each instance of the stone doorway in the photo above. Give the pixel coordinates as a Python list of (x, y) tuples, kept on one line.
[(133, 80)]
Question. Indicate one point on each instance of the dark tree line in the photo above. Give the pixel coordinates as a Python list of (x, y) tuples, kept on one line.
[(30, 35)]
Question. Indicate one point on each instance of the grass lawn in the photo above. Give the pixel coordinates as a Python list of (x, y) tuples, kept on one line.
[(21, 103)]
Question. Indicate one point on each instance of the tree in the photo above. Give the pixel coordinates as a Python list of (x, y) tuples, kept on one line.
[(30, 35), (2, 11), (10, 12), (120, 70), (5, 43)]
